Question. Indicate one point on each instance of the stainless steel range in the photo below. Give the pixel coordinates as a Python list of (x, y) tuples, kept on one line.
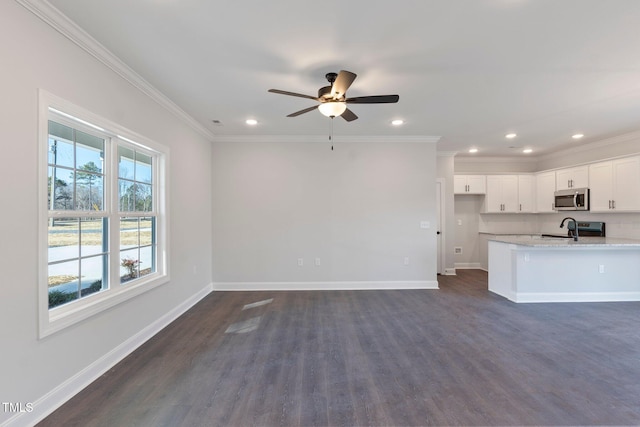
[(587, 228)]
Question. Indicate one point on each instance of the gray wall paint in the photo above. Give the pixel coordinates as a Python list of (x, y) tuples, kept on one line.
[(445, 172), (357, 208), (43, 58)]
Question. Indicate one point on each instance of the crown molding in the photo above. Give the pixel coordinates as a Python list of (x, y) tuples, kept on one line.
[(626, 137), (324, 138), (44, 10)]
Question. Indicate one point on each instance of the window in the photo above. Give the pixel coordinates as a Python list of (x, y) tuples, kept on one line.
[(102, 214)]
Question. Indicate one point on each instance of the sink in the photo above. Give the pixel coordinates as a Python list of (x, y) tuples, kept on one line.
[(552, 237)]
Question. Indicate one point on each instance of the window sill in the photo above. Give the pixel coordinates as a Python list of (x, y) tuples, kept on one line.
[(67, 315)]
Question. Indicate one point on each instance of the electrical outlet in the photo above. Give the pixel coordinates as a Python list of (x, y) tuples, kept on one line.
[(406, 260), (457, 251), (317, 262), (601, 268), (459, 222), (425, 224), (300, 262)]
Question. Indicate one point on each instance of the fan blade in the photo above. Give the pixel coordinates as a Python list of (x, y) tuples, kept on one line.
[(378, 99), (299, 95), (342, 83), (349, 115), (306, 110)]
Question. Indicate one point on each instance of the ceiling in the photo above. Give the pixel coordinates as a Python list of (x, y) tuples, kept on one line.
[(469, 71)]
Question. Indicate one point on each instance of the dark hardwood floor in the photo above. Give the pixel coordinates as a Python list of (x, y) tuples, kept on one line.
[(455, 356)]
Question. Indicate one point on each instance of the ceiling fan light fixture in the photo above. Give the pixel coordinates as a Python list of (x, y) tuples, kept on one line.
[(332, 108)]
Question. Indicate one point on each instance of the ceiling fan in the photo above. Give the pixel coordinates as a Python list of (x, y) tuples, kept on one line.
[(333, 98)]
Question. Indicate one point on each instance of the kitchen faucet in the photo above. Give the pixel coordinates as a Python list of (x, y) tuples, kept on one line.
[(575, 227)]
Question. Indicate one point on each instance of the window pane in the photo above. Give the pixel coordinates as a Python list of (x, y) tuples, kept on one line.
[(129, 265), (63, 239), (147, 231), (63, 188), (89, 191), (60, 145), (60, 131), (144, 198), (129, 233), (93, 273), (126, 166), (147, 266), (89, 152), (63, 283), (92, 236), (143, 168), (126, 195)]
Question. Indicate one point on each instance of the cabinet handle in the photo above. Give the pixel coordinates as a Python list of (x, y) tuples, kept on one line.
[(613, 204), (520, 207), (609, 204)]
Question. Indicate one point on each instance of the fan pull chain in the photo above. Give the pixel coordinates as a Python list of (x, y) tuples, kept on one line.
[(331, 135)]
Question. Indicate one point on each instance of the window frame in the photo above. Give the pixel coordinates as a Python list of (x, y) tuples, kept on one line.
[(57, 109)]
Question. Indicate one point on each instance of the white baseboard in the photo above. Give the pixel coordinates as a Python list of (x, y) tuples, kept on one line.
[(324, 286), (532, 297), (449, 271), (468, 265), (65, 391)]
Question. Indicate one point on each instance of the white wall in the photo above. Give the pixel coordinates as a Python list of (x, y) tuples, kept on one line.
[(445, 167), (495, 165), (357, 208), (36, 56), (467, 226)]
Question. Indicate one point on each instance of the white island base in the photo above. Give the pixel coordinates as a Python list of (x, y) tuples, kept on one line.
[(532, 271)]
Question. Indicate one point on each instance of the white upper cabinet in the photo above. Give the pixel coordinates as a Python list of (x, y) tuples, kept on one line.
[(469, 184), (545, 187), (526, 193), (615, 185), (502, 194), (577, 177)]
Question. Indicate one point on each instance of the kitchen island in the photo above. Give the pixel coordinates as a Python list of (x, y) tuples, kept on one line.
[(534, 268)]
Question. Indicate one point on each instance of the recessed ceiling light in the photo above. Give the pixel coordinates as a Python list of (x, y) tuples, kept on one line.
[(527, 150), (397, 122), (510, 135), (473, 150), (251, 122), (577, 136)]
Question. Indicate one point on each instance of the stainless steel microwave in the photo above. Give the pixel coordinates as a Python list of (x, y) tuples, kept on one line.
[(575, 199)]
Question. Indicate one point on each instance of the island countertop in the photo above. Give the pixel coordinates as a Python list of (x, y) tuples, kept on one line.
[(565, 242)]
